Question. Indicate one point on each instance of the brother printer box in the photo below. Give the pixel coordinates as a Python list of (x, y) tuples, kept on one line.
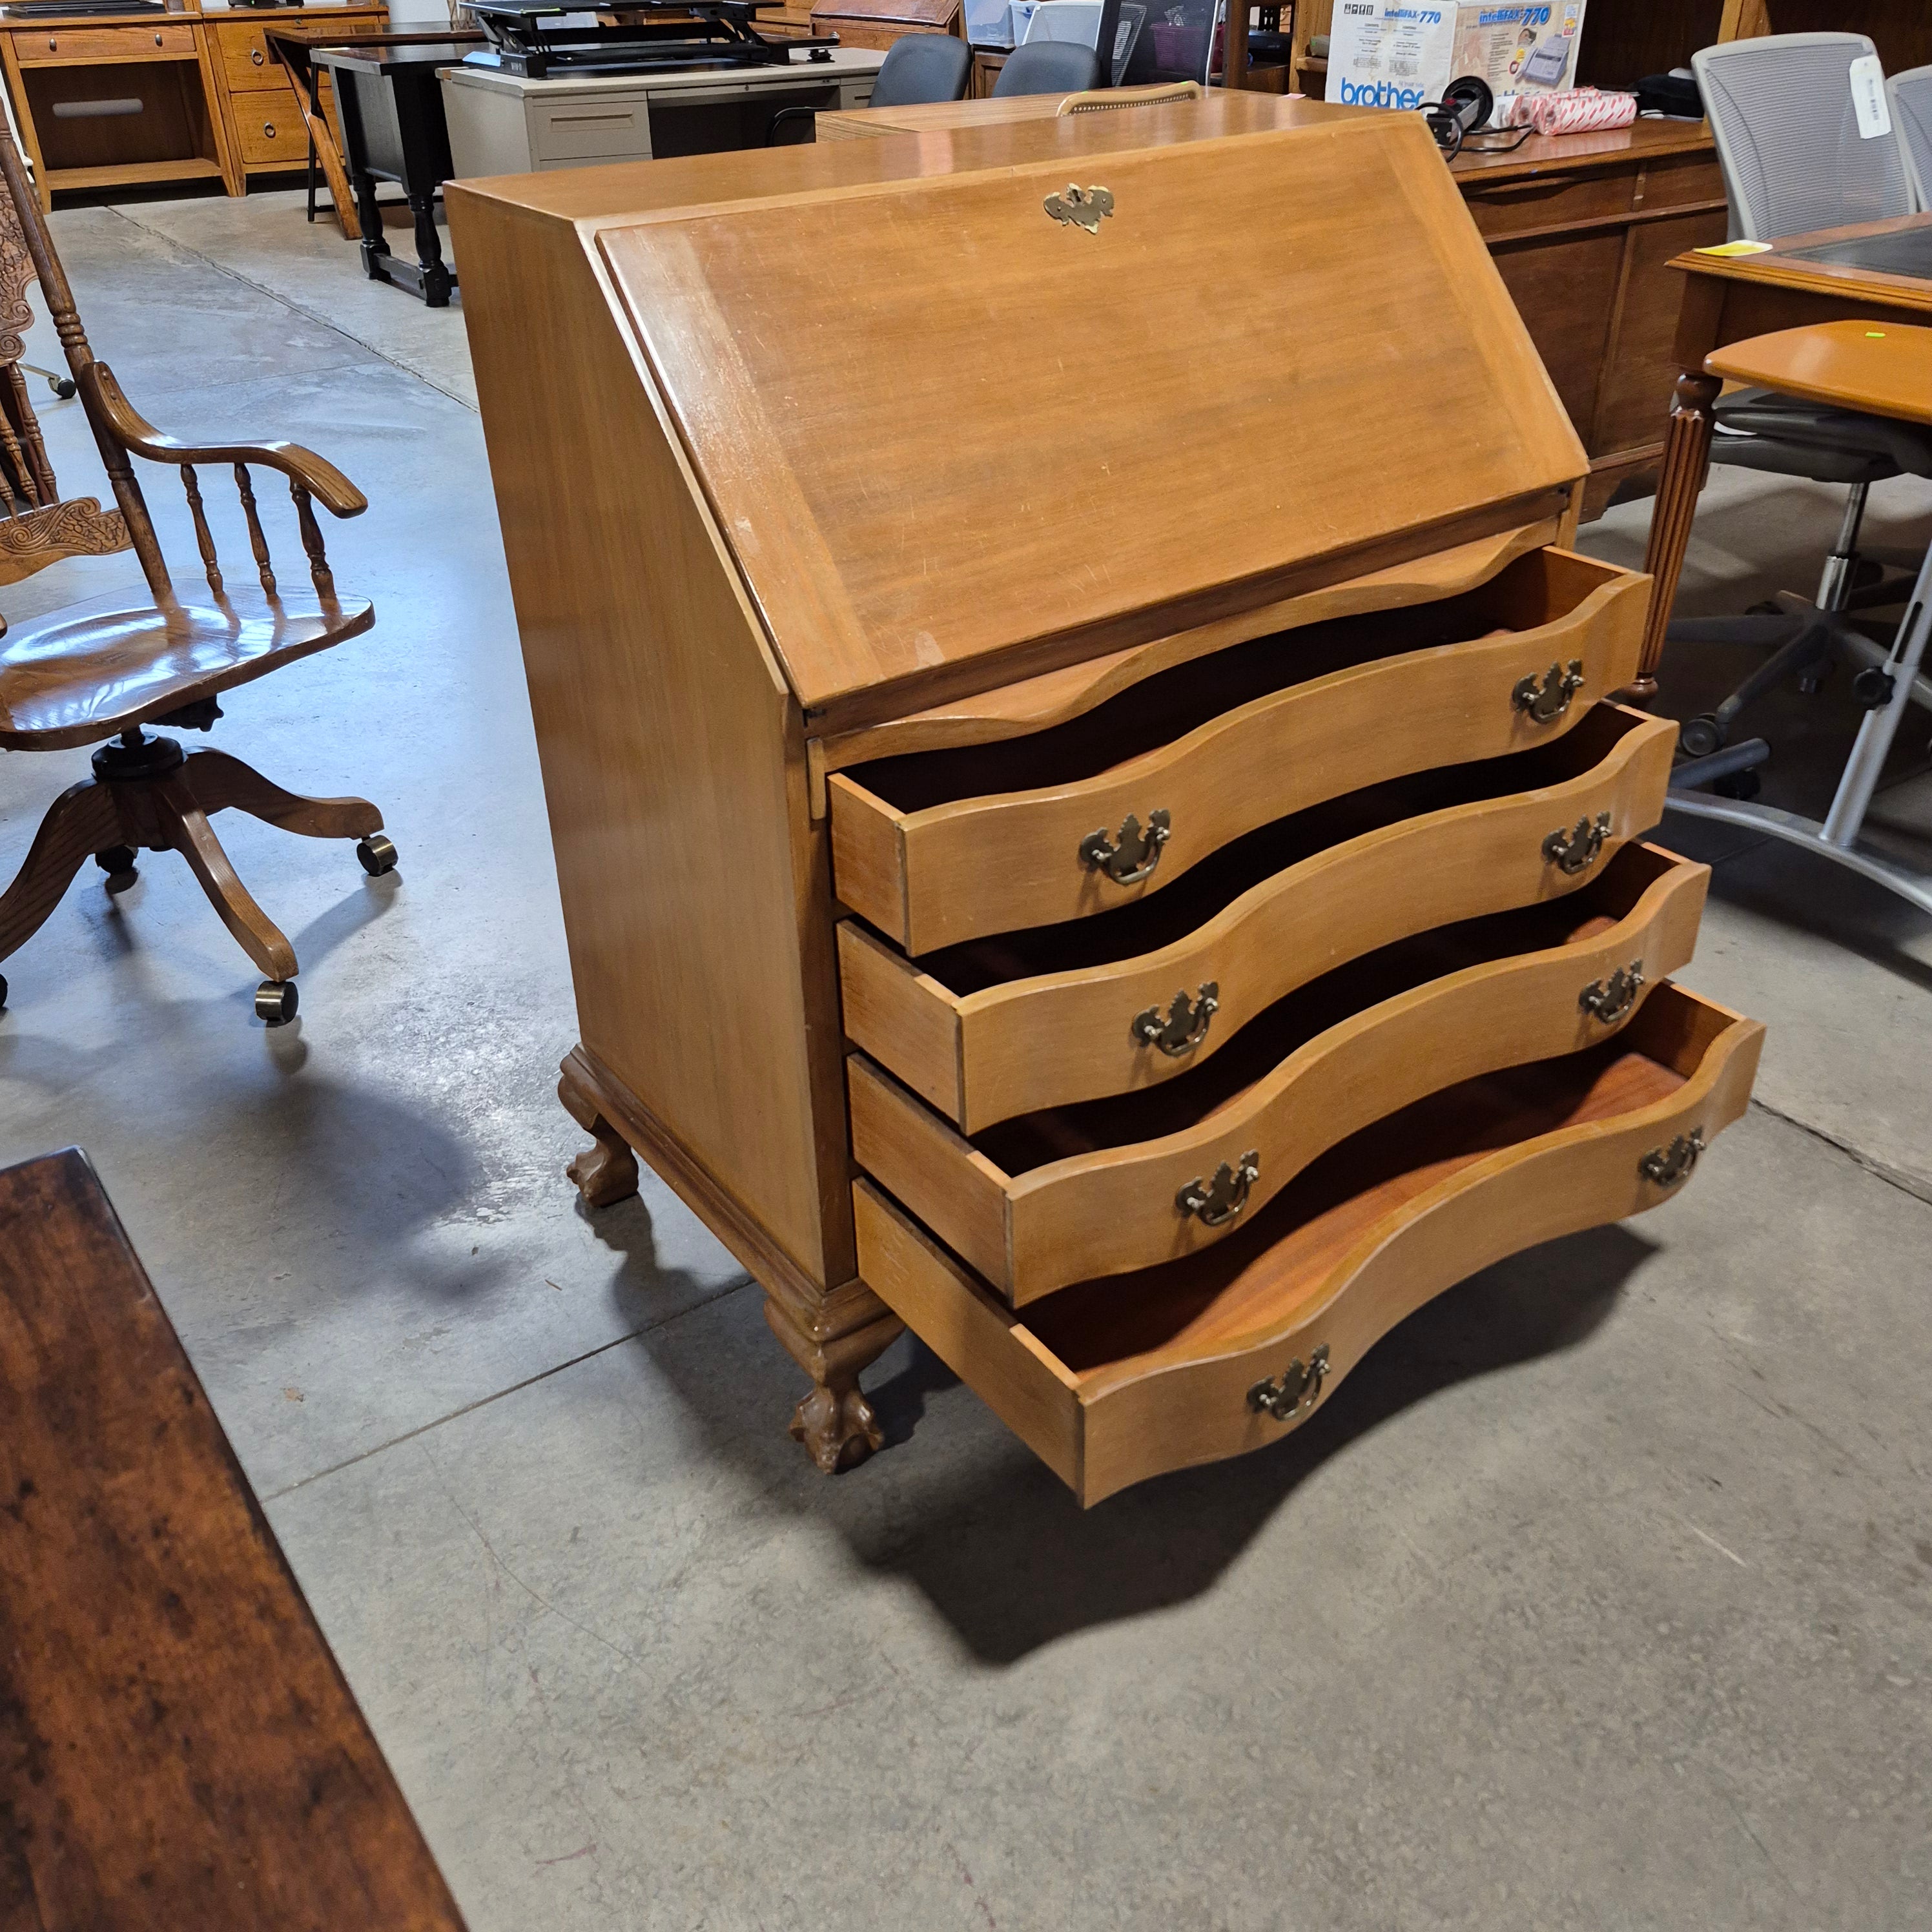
[(1402, 53)]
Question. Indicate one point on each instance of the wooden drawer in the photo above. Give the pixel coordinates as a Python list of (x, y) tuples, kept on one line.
[(1050, 1197), (250, 67), (39, 47), (1002, 1027), (1122, 1378), (1549, 201), (1681, 180), (936, 848), (268, 129)]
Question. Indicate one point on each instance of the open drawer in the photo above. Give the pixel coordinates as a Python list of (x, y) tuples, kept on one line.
[(933, 848), (1120, 1378), (1008, 1024), (1053, 1197)]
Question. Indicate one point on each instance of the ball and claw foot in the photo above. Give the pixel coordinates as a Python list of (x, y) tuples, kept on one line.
[(117, 862), (377, 854), (276, 1001), (838, 1427), (606, 1172)]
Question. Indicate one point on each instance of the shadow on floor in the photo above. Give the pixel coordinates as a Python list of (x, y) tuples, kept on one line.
[(1001, 1548)]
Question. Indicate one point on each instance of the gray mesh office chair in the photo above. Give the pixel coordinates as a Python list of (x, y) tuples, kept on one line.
[(1911, 94), (1793, 159), (1048, 66), (917, 68)]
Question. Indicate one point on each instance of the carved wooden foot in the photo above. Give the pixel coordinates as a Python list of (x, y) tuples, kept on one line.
[(607, 1172), (82, 821), (835, 1421)]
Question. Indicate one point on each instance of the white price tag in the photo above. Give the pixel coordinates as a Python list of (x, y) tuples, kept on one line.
[(1868, 100)]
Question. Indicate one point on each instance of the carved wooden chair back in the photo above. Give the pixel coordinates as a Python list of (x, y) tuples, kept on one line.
[(41, 527), (37, 527)]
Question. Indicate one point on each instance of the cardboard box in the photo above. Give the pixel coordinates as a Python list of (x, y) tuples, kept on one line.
[(1401, 54)]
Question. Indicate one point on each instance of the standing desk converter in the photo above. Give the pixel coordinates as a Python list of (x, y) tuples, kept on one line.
[(1128, 869)]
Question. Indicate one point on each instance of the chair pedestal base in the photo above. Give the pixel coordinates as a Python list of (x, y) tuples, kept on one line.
[(147, 794)]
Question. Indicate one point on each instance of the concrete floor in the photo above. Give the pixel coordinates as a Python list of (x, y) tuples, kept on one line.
[(1598, 1597)]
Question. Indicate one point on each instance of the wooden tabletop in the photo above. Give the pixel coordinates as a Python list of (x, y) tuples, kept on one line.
[(1850, 365), (178, 1748), (1545, 154), (1221, 111), (1780, 266)]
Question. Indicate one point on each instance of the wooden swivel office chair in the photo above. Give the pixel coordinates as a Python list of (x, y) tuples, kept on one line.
[(107, 669)]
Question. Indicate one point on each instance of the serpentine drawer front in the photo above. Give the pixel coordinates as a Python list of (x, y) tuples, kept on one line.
[(1052, 1197), (1120, 1378), (936, 848), (1002, 1026)]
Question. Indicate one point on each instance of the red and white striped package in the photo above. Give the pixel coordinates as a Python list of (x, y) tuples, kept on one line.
[(1575, 110)]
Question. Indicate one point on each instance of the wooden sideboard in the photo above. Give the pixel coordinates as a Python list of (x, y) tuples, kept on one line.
[(182, 97), (1135, 879)]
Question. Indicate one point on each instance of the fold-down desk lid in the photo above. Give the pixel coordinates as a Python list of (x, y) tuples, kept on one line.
[(936, 425)]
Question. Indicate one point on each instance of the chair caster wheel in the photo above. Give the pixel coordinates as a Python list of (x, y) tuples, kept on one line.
[(275, 1002), (1743, 786), (117, 862), (377, 855), (1701, 736)]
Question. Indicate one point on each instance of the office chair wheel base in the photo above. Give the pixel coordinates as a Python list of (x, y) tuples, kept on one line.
[(276, 1002), (117, 862), (1742, 786), (1701, 736), (377, 854)]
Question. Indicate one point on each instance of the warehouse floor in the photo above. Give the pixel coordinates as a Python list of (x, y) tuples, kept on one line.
[(1598, 1596)]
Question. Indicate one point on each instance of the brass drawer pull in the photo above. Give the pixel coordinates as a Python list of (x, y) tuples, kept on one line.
[(1219, 1201), (268, 129), (1571, 851), (254, 54), (1545, 702), (1185, 1025), (1612, 999), (1132, 857), (1667, 1166), (1299, 1388)]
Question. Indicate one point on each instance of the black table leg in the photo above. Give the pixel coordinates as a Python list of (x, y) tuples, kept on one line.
[(377, 258), (435, 280)]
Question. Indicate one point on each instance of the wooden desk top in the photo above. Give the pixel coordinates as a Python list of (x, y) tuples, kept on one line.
[(1222, 111), (177, 1745), (280, 17), (1562, 154), (1850, 365), (1779, 267)]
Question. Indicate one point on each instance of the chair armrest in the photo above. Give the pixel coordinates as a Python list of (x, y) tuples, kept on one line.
[(111, 411)]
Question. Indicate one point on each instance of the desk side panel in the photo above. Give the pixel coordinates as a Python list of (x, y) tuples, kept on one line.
[(695, 890)]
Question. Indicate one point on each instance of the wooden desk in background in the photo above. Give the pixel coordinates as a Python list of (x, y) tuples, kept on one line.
[(1580, 227), (177, 1745), (211, 102), (1727, 298)]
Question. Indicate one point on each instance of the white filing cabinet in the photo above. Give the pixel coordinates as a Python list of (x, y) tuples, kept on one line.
[(502, 124)]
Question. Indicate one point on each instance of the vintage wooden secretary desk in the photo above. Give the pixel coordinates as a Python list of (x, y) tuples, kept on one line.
[(1106, 847)]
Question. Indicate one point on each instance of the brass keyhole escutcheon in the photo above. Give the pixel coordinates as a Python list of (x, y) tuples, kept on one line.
[(1081, 208), (1571, 852), (1544, 703), (1186, 1024), (1612, 999), (268, 129), (1219, 1201), (1298, 1391), (1667, 1166), (254, 53), (1132, 854)]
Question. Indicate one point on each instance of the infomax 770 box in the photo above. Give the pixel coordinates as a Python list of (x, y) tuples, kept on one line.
[(1399, 54)]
